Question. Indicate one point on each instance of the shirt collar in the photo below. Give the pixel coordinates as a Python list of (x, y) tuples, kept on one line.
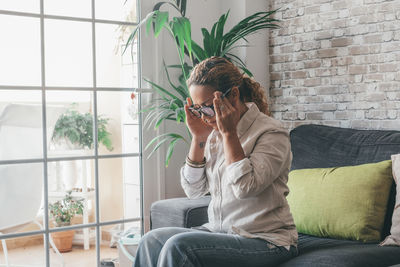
[(247, 119)]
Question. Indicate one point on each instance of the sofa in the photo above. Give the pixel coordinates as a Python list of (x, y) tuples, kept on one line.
[(313, 146)]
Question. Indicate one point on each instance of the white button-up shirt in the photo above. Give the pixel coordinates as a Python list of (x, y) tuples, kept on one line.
[(248, 197)]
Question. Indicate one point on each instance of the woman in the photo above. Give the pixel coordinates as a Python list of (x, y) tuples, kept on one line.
[(242, 157)]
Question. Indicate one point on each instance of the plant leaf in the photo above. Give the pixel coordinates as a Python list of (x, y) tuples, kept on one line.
[(159, 4), (198, 52), (132, 35), (206, 42), (181, 92), (183, 7), (162, 92), (157, 146), (170, 151), (161, 19)]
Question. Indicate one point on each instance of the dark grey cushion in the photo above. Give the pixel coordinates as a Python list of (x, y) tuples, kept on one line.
[(179, 212), (318, 146), (318, 252)]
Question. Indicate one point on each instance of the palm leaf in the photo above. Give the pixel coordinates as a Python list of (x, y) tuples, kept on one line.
[(135, 30), (161, 19), (206, 42), (198, 52), (176, 88), (159, 4), (181, 30), (170, 151), (156, 146), (161, 91), (183, 7)]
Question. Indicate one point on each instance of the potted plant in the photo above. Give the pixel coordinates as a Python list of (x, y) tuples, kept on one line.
[(217, 41), (75, 129), (62, 212)]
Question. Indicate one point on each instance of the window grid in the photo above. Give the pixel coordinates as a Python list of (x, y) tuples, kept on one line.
[(46, 231)]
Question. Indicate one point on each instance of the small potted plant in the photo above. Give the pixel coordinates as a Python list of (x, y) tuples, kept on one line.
[(62, 212)]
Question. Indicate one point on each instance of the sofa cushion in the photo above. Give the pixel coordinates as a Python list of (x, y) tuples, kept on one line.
[(179, 212), (366, 255), (319, 252), (346, 202), (319, 146)]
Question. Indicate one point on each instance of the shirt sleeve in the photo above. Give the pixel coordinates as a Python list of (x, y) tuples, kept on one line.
[(192, 174), (270, 157), (194, 181)]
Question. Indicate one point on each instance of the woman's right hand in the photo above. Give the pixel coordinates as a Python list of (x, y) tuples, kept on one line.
[(197, 127)]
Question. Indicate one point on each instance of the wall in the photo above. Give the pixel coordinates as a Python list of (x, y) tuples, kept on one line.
[(336, 63)]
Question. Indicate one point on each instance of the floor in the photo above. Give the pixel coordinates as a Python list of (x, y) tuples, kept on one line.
[(78, 257)]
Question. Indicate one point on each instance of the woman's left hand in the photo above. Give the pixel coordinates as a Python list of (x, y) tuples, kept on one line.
[(227, 116)]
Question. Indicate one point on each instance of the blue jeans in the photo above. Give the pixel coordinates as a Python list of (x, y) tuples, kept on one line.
[(177, 247)]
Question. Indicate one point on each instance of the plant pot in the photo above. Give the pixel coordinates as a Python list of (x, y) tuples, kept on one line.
[(63, 240)]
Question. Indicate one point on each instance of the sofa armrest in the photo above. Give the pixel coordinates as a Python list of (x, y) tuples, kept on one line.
[(179, 212)]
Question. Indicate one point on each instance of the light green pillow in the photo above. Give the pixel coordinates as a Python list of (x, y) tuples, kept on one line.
[(344, 203)]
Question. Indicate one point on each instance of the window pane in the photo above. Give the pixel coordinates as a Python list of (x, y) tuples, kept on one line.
[(21, 133), (110, 249), (117, 10), (68, 53), (71, 8), (119, 188), (21, 197), (73, 123), (78, 255), (115, 68), (77, 177), (31, 6), (119, 117), (19, 62), (25, 251)]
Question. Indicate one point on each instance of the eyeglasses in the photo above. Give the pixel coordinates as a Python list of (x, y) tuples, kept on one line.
[(206, 110)]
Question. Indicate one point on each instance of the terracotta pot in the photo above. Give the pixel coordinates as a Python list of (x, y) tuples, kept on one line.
[(63, 240)]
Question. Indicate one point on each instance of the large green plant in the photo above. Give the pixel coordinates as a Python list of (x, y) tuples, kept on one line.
[(216, 42)]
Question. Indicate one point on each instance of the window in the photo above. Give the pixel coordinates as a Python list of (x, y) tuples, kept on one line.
[(62, 65)]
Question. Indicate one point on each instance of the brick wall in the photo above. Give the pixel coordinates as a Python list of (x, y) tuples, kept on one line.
[(336, 63)]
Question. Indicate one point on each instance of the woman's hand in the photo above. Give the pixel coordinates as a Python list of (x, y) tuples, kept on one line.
[(227, 116), (197, 127)]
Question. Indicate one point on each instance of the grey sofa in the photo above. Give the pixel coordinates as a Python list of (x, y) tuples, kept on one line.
[(313, 146)]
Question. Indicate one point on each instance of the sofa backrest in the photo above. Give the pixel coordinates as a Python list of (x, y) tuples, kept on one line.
[(319, 146)]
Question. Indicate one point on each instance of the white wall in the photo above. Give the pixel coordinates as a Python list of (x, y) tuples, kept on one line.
[(164, 183)]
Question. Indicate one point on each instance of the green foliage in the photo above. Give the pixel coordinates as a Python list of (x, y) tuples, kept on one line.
[(62, 211), (215, 43), (78, 128)]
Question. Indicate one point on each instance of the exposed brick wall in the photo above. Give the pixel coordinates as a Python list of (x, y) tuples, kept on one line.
[(336, 63)]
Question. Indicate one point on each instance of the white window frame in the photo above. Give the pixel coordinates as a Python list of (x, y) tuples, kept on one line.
[(43, 88)]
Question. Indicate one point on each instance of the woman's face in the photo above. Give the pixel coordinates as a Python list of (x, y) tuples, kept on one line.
[(203, 95)]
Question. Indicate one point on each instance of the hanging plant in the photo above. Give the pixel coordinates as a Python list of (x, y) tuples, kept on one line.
[(77, 128)]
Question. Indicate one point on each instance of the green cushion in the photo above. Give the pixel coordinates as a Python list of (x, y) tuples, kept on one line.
[(344, 203)]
